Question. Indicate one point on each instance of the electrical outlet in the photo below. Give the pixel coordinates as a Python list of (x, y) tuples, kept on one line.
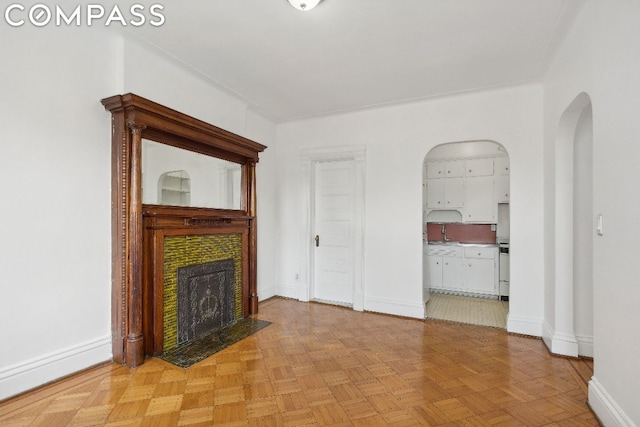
[(297, 277)]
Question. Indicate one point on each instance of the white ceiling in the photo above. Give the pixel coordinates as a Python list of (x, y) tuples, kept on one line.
[(350, 54)]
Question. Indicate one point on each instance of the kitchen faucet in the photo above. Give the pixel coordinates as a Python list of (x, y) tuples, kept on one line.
[(444, 233)]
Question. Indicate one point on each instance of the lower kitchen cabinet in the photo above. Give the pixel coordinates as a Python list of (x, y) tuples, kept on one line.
[(444, 265), (451, 273), (479, 276), (481, 270), (434, 271), (472, 270)]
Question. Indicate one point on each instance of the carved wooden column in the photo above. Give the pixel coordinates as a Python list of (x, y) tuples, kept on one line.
[(120, 164), (134, 351), (253, 238)]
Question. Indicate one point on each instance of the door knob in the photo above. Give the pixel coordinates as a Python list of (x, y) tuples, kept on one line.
[(317, 240)]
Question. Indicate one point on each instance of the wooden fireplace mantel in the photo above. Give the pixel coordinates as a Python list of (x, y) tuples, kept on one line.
[(135, 118)]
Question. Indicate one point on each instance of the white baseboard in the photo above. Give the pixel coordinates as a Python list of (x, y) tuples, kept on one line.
[(547, 334), (558, 343), (267, 292), (288, 291), (397, 308), (43, 369), (564, 344), (585, 345), (605, 408), (524, 325)]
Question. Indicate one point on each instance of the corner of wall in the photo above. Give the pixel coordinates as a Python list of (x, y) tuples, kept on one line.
[(605, 408), (559, 343), (524, 325), (264, 293)]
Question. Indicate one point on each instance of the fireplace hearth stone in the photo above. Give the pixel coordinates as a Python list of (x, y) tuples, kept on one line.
[(200, 348)]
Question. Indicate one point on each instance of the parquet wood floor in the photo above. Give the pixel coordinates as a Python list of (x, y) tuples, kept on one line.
[(324, 365)]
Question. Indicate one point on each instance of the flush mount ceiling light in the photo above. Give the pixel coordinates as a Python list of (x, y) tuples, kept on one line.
[(304, 4)]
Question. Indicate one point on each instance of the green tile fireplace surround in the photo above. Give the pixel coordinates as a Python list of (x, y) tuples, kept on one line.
[(183, 251)]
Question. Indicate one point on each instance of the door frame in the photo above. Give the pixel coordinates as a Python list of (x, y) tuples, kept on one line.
[(308, 159)]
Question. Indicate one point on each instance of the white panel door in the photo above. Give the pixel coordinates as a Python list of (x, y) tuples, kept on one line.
[(334, 191)]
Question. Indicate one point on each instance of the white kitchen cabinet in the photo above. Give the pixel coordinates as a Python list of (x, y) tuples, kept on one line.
[(454, 168), (445, 267), (501, 165), (445, 193), (452, 273), (473, 186), (445, 169), (479, 206), (460, 269), (480, 269), (501, 189), (435, 193), (479, 276), (435, 170), (501, 192), (434, 265), (479, 167)]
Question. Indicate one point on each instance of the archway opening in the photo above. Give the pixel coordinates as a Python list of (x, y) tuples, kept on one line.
[(466, 232), (569, 314)]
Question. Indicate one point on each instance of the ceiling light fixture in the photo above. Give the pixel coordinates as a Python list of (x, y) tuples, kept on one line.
[(304, 4)]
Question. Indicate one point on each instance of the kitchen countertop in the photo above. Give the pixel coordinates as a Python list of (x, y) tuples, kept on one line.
[(471, 245)]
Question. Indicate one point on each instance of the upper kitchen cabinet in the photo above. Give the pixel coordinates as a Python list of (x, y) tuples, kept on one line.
[(445, 193), (501, 180), (479, 206), (467, 179), (449, 169), (479, 167), (501, 166), (445, 185)]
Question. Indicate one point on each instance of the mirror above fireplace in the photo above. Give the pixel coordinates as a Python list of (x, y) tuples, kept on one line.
[(172, 176)]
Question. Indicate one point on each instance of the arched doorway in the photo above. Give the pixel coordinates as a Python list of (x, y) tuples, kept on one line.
[(570, 311), (466, 232)]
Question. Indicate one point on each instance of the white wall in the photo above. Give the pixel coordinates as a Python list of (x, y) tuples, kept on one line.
[(55, 154), (583, 234), (259, 128), (55, 246), (397, 139), (600, 56)]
